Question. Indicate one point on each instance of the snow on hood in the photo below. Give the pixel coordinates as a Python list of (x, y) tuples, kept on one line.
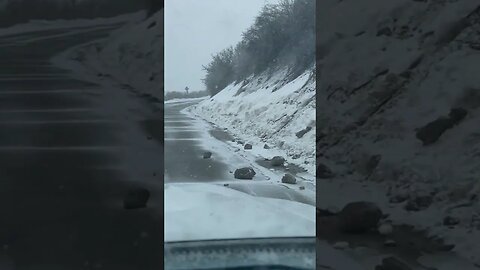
[(209, 211)]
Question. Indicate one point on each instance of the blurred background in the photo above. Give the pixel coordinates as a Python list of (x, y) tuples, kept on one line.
[(21, 11)]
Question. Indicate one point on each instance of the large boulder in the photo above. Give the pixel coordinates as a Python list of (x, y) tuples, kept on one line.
[(277, 161), (247, 146), (207, 154), (136, 198), (244, 173), (359, 217)]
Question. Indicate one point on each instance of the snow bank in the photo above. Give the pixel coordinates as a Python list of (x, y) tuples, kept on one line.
[(217, 215), (268, 109), (391, 68), (41, 25)]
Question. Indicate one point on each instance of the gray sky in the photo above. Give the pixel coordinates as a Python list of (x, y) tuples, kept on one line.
[(196, 29)]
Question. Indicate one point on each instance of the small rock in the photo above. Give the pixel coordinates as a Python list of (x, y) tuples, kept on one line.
[(325, 212), (419, 203), (136, 198), (301, 188), (296, 156), (266, 146), (277, 161), (240, 142), (244, 173), (302, 132), (323, 171), (450, 221), (359, 217), (207, 154), (247, 146), (399, 198), (432, 131), (386, 31), (446, 247), (372, 164), (392, 263), (289, 179), (385, 229), (390, 243), (341, 245), (237, 150)]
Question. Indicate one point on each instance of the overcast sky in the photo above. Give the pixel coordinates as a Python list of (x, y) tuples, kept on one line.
[(196, 29)]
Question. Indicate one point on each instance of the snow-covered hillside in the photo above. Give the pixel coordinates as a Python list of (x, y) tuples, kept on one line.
[(268, 109), (132, 55), (386, 72), (43, 25)]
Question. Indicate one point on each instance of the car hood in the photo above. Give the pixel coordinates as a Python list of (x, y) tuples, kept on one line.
[(206, 211)]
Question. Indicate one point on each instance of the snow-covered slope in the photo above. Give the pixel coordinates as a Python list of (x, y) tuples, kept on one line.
[(41, 25), (268, 109), (389, 69), (132, 55)]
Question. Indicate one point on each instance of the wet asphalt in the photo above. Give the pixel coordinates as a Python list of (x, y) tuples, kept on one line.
[(184, 150), (63, 169)]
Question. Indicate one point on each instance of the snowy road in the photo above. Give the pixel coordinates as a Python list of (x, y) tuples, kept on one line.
[(69, 151)]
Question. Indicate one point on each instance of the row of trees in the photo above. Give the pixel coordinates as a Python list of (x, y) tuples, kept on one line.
[(20, 11), (282, 34), (177, 94)]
